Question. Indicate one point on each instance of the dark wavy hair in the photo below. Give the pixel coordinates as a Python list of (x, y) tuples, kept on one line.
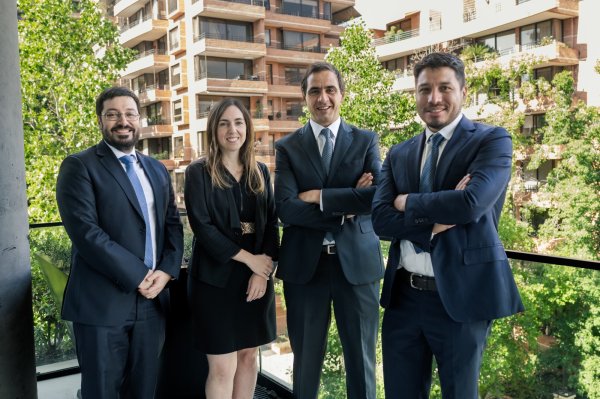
[(319, 67), (113, 92), (439, 60), (214, 157)]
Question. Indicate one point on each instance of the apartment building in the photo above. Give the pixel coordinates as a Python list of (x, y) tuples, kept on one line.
[(193, 53), (563, 32)]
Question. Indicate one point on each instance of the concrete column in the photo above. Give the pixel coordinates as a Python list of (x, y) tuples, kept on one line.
[(17, 360)]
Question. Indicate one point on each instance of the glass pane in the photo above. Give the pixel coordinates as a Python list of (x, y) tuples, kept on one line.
[(50, 266), (527, 35), (544, 30), (292, 40), (505, 42), (216, 68)]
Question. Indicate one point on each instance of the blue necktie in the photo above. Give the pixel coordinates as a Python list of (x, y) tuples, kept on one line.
[(129, 160), (428, 173), (327, 149)]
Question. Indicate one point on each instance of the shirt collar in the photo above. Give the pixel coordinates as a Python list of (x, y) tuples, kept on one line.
[(334, 127), (119, 153), (447, 131)]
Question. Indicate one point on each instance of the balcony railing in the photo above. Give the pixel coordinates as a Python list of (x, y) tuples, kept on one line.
[(307, 49), (132, 24), (218, 36), (396, 37), (298, 13), (538, 353), (146, 53), (204, 75)]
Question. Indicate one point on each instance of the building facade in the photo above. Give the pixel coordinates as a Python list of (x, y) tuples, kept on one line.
[(193, 53), (562, 32)]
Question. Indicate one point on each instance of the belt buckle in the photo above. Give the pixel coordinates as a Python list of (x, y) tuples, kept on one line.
[(412, 283), (330, 249)]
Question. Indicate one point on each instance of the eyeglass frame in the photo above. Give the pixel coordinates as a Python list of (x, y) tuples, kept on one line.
[(130, 116)]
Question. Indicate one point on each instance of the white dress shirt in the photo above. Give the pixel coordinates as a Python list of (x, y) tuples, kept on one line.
[(148, 193), (409, 259)]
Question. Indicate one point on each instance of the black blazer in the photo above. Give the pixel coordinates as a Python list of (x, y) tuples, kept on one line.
[(298, 169), (102, 216), (215, 221)]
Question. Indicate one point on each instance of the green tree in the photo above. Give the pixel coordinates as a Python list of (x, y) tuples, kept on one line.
[(370, 101), (69, 53)]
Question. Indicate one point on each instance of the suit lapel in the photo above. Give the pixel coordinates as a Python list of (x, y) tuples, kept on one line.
[(414, 153), (308, 144), (460, 137), (110, 162), (343, 141)]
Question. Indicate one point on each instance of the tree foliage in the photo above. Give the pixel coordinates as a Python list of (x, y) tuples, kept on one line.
[(370, 101), (69, 53)]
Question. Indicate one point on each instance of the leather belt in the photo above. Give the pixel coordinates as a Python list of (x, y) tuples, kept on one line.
[(329, 249), (418, 281)]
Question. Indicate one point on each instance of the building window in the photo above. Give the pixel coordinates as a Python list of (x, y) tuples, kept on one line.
[(301, 41), (178, 147), (174, 39), (327, 11), (173, 6), (503, 42), (222, 68), (176, 75), (532, 35), (177, 111), (294, 75), (301, 8), (154, 114), (293, 110), (160, 148), (212, 28), (201, 143), (268, 37), (205, 103)]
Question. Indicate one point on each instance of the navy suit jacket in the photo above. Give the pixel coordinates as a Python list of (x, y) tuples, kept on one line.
[(215, 220), (102, 216), (298, 169), (471, 269)]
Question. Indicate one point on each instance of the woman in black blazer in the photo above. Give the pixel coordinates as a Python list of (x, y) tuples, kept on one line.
[(230, 206)]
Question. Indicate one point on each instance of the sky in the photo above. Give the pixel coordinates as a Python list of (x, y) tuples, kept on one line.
[(377, 13)]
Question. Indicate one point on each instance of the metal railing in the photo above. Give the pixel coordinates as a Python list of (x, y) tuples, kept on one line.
[(396, 37), (218, 36), (306, 49)]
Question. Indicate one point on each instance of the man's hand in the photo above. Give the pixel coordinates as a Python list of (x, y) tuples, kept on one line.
[(366, 180), (462, 184), (157, 279), (400, 202), (311, 196), (146, 283)]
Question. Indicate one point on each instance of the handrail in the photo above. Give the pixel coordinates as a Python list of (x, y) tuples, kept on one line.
[(511, 254)]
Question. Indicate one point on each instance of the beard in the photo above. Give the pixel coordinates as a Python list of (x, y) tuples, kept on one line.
[(122, 144)]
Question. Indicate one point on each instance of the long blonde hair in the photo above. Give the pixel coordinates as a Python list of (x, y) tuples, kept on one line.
[(214, 159)]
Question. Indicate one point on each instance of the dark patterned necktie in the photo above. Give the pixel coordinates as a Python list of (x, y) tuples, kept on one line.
[(428, 173), (327, 149)]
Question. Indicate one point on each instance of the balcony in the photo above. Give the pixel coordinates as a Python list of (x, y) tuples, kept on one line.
[(284, 88), (534, 347), (280, 17), (241, 85), (175, 8), (285, 125), (295, 54), (241, 10), (215, 45), (146, 62), (155, 127), (152, 94), (148, 29), (126, 8)]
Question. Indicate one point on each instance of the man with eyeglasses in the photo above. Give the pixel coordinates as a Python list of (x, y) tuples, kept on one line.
[(118, 208)]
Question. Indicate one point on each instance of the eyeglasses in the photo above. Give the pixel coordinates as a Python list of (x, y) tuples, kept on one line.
[(115, 116)]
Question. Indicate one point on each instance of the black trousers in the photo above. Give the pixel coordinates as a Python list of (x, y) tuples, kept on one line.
[(122, 361)]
